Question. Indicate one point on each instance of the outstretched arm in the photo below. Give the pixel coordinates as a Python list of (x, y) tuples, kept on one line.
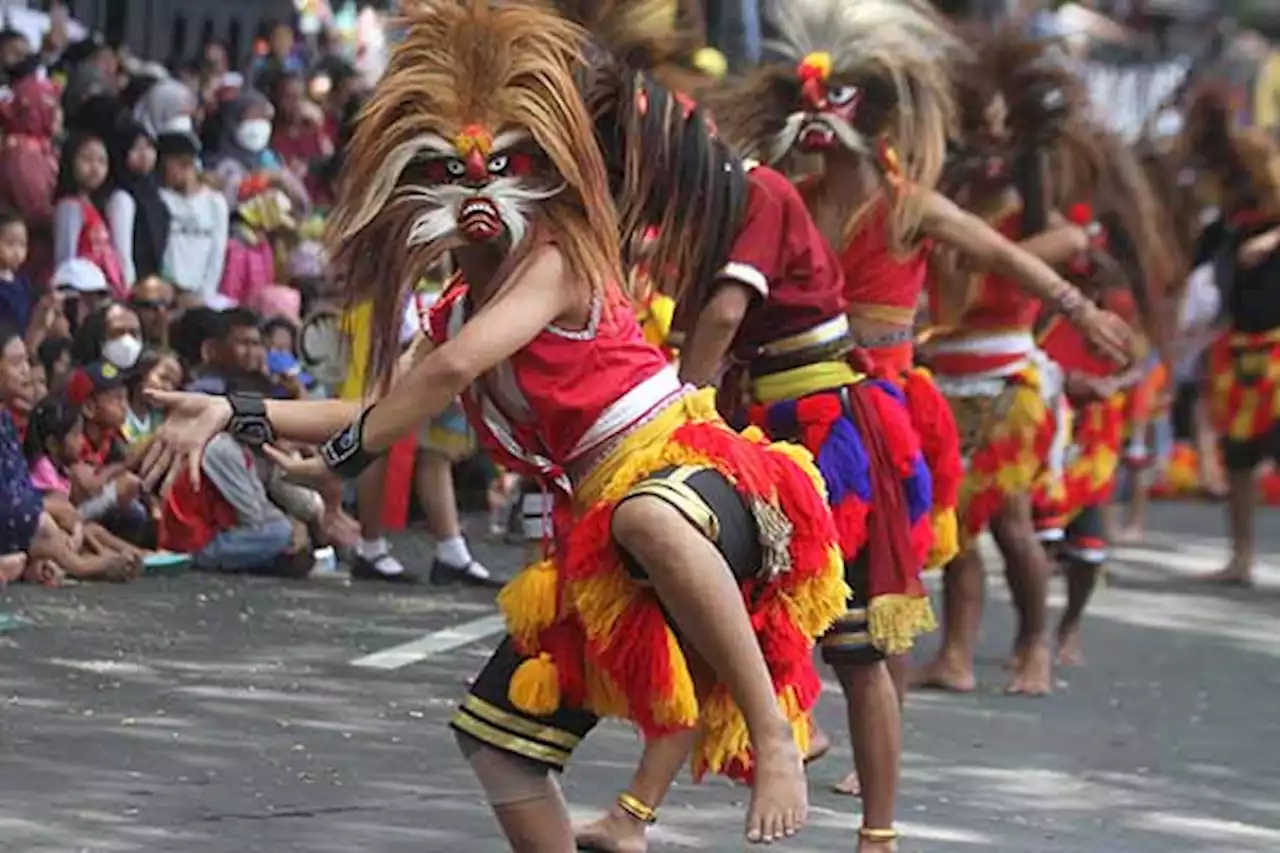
[(537, 294), (988, 249)]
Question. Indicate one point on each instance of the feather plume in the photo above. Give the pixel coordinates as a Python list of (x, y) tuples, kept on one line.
[(505, 68)]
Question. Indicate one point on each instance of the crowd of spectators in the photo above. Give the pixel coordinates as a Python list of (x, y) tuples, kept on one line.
[(158, 231)]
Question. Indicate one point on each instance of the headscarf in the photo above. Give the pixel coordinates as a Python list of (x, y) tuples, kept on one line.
[(151, 223), (164, 106), (230, 116)]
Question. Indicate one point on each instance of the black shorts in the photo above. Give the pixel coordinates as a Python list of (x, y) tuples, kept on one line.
[(1241, 456), (1086, 539), (711, 504), (848, 642)]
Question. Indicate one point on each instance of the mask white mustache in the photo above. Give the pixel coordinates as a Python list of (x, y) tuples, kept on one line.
[(786, 138), (513, 201)]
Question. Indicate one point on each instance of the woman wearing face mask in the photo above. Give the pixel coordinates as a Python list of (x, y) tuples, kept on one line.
[(245, 149), (112, 333)]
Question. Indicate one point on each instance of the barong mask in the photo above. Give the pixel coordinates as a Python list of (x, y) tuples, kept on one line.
[(869, 79), (474, 135)]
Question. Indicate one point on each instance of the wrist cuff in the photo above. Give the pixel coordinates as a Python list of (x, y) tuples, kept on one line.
[(344, 452)]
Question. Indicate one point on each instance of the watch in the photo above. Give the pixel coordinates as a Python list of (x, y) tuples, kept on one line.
[(249, 423), (344, 452)]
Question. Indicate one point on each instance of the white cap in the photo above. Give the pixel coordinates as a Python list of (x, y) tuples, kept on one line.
[(80, 275)]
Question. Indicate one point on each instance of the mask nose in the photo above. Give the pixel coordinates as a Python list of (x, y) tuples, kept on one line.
[(812, 95), (477, 168)]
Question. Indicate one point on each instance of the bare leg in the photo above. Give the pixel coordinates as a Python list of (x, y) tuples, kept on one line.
[(1027, 571), (1242, 505), (53, 544), (369, 489), (1082, 580), (433, 479), (104, 541), (963, 589), (875, 728), (618, 831), (703, 599), (11, 567), (1214, 480), (525, 799), (900, 672)]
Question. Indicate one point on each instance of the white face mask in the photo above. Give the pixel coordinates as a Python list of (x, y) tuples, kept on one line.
[(254, 135), (122, 352)]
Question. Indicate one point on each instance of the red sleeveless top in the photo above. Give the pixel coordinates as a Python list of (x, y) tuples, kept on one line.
[(880, 284), (568, 392), (779, 253), (994, 332)]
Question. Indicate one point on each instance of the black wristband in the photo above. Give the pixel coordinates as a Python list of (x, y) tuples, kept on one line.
[(249, 423), (344, 452)]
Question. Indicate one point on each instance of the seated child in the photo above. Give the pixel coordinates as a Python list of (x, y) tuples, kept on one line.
[(53, 445), (157, 370), (227, 522), (98, 390)]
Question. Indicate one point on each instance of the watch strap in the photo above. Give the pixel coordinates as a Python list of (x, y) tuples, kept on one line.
[(249, 423)]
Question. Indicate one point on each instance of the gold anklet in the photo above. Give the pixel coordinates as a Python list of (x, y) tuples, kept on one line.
[(881, 835), (632, 805)]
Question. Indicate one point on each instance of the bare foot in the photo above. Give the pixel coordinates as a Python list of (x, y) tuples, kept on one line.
[(865, 846), (1070, 647), (11, 567), (44, 573), (780, 798), (1035, 675), (1131, 535), (113, 567), (1236, 573), (943, 674), (849, 786), (1014, 661), (616, 832), (819, 745)]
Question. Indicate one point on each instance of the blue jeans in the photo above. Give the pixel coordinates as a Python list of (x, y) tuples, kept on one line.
[(247, 549)]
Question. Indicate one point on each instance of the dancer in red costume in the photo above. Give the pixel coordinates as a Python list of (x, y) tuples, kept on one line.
[(868, 90), (757, 286), (692, 566), (1243, 388)]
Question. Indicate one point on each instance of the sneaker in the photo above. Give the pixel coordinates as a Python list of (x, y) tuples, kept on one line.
[(376, 569), (472, 574)]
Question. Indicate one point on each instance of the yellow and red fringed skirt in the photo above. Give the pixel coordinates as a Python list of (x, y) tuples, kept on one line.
[(935, 428), (1244, 385), (599, 640), (1005, 439), (1050, 508), (877, 482)]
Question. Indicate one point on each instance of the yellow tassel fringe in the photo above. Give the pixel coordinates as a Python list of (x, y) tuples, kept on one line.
[(530, 603), (535, 686), (894, 622)]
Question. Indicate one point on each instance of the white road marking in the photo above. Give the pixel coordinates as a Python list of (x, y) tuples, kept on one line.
[(433, 644)]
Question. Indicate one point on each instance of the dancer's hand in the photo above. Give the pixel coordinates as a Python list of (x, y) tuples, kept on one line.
[(190, 421), (1106, 332), (310, 472)]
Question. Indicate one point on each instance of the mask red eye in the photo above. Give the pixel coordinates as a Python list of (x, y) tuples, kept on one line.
[(518, 164)]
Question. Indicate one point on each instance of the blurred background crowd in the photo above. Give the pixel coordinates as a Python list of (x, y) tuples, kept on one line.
[(165, 168)]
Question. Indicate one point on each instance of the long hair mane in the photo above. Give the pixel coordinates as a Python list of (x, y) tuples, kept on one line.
[(505, 67)]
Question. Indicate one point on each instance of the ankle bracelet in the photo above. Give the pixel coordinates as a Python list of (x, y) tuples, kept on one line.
[(882, 835), (632, 805)]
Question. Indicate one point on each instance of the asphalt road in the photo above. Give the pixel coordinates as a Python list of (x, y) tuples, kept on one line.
[(205, 714)]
